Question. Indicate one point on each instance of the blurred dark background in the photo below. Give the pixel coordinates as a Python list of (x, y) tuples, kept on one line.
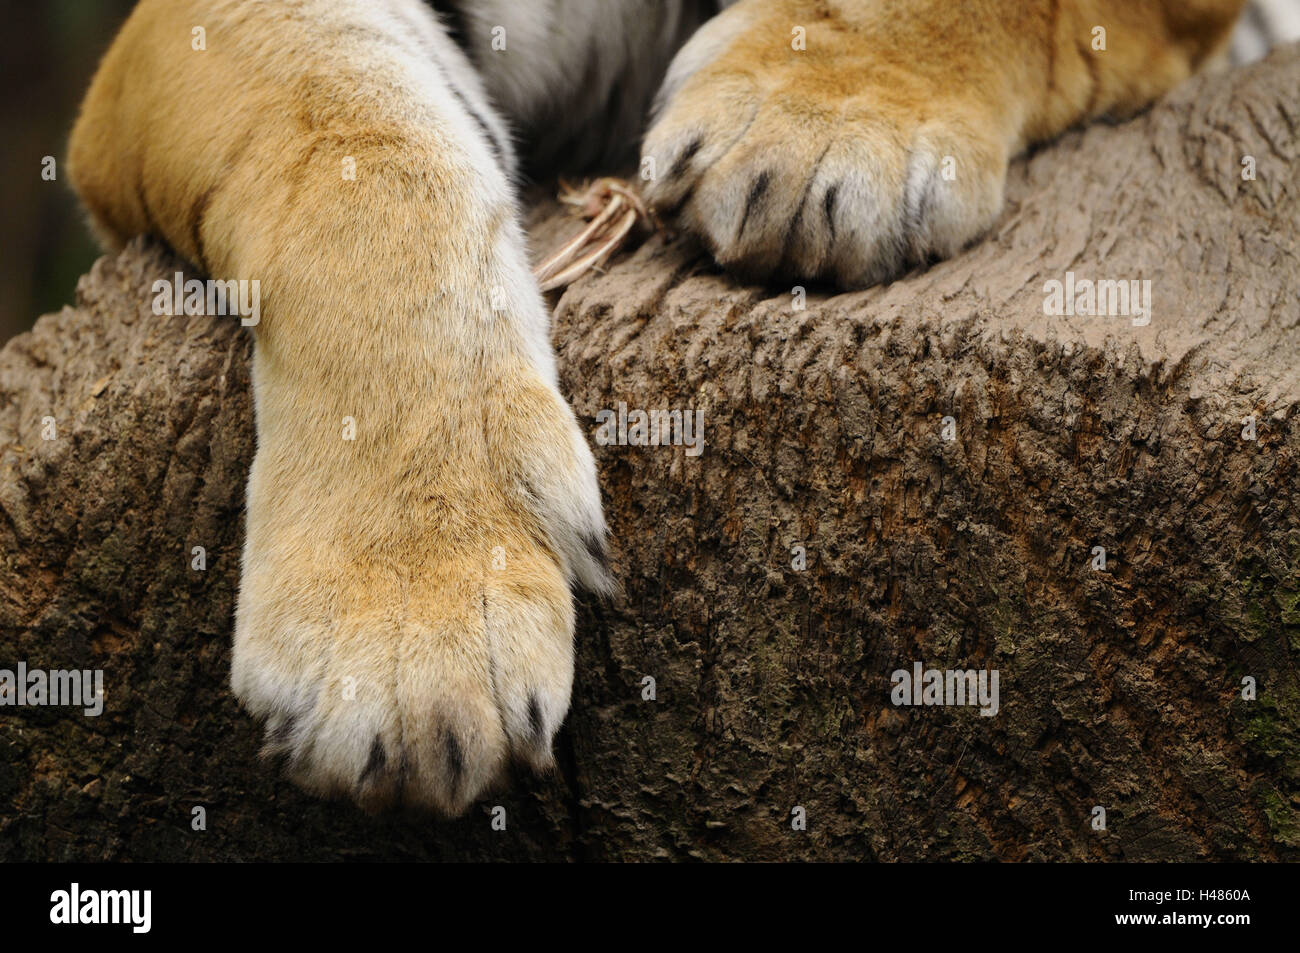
[(51, 48)]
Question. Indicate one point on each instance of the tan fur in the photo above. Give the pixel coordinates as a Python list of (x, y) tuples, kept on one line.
[(753, 134), (375, 559), (404, 622)]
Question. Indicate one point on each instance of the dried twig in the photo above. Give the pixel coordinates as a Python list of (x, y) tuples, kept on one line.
[(614, 208)]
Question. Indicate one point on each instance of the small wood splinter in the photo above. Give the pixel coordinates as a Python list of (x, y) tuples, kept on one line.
[(613, 209)]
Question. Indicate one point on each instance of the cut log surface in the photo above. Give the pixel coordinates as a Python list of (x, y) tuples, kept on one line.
[(939, 455)]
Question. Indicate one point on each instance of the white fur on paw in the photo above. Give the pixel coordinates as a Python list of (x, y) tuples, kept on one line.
[(778, 187), (416, 637)]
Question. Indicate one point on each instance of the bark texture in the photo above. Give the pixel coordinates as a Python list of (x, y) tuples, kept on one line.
[(823, 429)]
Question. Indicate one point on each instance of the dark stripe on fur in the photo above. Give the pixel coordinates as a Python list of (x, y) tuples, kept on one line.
[(756, 192), (453, 21)]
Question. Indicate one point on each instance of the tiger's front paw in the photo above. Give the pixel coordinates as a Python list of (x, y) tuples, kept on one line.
[(405, 624), (829, 154)]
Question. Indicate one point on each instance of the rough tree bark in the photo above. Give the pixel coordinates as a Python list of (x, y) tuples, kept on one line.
[(1119, 688)]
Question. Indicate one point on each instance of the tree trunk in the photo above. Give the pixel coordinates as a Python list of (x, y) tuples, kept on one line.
[(941, 457)]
